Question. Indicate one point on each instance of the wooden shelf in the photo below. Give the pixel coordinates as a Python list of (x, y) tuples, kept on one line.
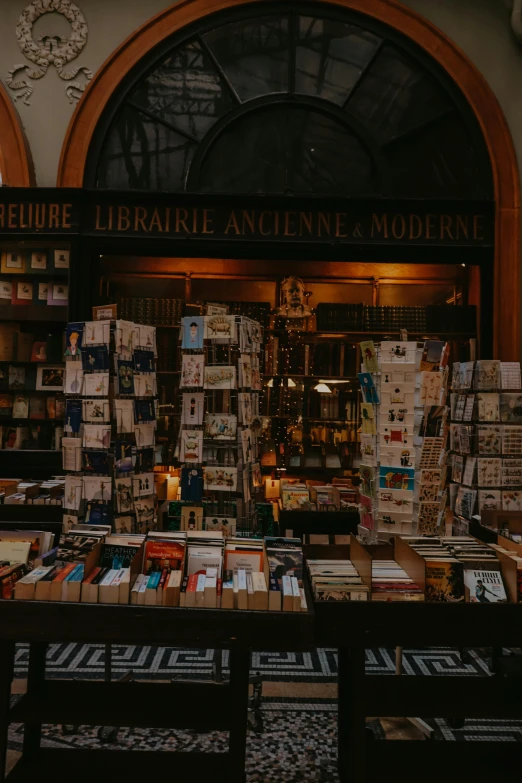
[(44, 313)]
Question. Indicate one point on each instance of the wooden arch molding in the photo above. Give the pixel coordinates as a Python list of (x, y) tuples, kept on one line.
[(506, 338), (16, 165)]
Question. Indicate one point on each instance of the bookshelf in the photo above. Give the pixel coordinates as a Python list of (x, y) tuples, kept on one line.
[(34, 289)]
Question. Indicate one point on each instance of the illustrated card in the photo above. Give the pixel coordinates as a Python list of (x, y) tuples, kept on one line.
[(97, 333), (191, 446), (192, 370), (369, 356), (96, 411), (512, 500), (192, 408), (511, 408), (396, 478), (488, 406), (394, 500), (490, 500), (96, 384), (489, 472), (220, 328), (192, 330), (219, 377), (73, 378), (397, 456), (393, 352), (220, 479)]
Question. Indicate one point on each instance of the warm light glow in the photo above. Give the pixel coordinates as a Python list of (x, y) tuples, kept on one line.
[(270, 383), (323, 388), (291, 383), (323, 381)]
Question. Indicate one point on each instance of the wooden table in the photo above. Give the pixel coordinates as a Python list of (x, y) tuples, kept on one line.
[(353, 627), (202, 706)]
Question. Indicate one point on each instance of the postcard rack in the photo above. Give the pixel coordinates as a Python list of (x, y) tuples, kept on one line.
[(110, 425), (218, 438)]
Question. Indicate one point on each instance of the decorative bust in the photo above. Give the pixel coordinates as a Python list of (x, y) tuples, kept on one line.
[(293, 295)]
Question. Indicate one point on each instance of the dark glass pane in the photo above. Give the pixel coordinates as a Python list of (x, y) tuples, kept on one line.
[(396, 95), (142, 154), (281, 149), (436, 162), (186, 90), (254, 55), (330, 56)]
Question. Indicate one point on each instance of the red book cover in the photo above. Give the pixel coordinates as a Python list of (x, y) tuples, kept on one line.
[(164, 575), (22, 292), (161, 555)]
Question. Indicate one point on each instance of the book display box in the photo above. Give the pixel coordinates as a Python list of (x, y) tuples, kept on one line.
[(34, 297)]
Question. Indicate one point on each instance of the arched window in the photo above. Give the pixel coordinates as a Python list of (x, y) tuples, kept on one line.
[(292, 100)]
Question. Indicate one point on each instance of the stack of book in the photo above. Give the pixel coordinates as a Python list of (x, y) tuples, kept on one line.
[(336, 580), (391, 583)]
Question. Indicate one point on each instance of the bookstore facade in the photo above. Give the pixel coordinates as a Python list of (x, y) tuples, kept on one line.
[(226, 341)]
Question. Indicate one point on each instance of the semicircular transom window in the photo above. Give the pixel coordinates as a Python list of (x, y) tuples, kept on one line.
[(325, 102)]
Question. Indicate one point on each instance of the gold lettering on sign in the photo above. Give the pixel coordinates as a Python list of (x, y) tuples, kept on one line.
[(323, 222), (232, 224), (305, 219), (478, 226), (340, 223), (11, 211), (430, 227), (398, 226), (446, 224), (123, 223), (140, 216), (247, 219), (181, 218), (39, 218), (2, 215), (23, 224), (462, 225), (155, 221), (208, 228), (290, 230), (98, 225), (66, 215), (264, 232), (167, 219), (379, 226), (415, 227)]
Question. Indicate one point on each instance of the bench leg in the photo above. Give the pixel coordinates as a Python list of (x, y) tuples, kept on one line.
[(35, 679), (239, 685), (7, 651), (351, 741)]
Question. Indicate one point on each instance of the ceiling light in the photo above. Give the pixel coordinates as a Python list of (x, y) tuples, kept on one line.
[(323, 388)]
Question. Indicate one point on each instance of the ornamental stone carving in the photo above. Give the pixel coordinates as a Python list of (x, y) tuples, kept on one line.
[(49, 50)]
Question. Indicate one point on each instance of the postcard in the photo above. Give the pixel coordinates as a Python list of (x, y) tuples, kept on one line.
[(396, 478), (489, 472), (511, 408), (124, 336), (73, 492), (368, 480), (397, 456), (144, 460), (192, 329), (143, 360), (143, 485), (123, 456), (124, 415), (432, 355), (220, 327), (369, 391), (431, 388), (490, 500), (96, 411), (511, 500), (217, 377), (397, 351), (192, 518), (394, 500), (220, 479), (226, 525), (96, 462), (246, 443), (510, 375), (368, 449), (14, 260), (487, 374), (145, 514), (73, 338), (192, 370), (50, 377), (257, 476), (489, 440), (488, 406), (511, 472), (214, 308), (191, 446), (511, 440), (245, 372), (429, 518), (124, 525), (145, 434), (61, 259), (192, 408), (97, 488), (95, 358), (390, 435), (244, 402), (402, 374), (145, 385), (16, 377), (6, 290), (124, 495), (73, 416), (145, 338), (429, 493), (369, 356), (402, 395), (95, 384), (144, 410), (220, 426), (431, 452), (96, 333), (394, 522), (368, 419), (96, 436), (397, 414)]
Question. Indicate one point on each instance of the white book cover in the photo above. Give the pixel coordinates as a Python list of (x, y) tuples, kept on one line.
[(485, 587)]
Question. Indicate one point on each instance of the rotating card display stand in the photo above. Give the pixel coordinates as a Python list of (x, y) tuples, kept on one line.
[(403, 446), (485, 439), (218, 437), (110, 424)]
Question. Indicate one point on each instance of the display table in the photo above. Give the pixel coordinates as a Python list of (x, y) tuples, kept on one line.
[(202, 706), (353, 627)]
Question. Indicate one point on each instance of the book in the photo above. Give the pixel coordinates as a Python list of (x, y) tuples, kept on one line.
[(26, 586), (160, 554), (484, 586), (444, 580), (105, 594)]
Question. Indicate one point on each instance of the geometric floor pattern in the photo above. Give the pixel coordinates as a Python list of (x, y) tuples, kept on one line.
[(85, 661), (298, 741)]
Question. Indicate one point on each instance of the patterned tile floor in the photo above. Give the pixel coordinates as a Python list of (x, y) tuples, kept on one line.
[(299, 711)]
